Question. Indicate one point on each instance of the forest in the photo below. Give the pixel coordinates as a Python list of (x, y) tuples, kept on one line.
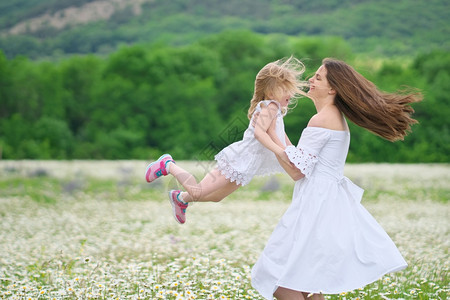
[(191, 100), (379, 27), (177, 76)]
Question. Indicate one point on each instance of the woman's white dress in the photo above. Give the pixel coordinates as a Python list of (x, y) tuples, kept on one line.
[(326, 242), (242, 160)]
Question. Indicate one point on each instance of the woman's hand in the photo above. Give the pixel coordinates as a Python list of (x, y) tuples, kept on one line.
[(265, 120), (255, 118), (271, 131)]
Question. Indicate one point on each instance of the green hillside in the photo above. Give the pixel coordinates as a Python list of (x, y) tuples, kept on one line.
[(154, 72), (376, 27)]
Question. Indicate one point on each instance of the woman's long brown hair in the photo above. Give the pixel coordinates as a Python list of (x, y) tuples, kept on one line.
[(385, 114)]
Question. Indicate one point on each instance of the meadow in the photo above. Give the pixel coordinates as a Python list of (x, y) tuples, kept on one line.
[(97, 230)]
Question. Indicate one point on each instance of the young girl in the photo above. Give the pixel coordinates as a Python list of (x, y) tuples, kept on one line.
[(275, 85), (327, 242)]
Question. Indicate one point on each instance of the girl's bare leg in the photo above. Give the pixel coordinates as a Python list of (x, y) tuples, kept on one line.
[(213, 187), (216, 195)]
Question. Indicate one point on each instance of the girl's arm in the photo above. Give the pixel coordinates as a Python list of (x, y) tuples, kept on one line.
[(285, 163), (290, 168), (273, 134), (263, 123), (266, 117), (288, 141)]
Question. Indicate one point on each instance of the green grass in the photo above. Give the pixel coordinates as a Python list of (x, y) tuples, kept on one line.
[(79, 235)]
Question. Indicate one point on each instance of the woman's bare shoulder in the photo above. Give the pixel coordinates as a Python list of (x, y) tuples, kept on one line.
[(329, 119), (316, 121)]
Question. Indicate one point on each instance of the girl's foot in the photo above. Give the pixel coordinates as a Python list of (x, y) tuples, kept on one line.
[(178, 207), (158, 168)]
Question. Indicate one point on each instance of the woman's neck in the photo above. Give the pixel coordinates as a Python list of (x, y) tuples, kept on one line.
[(321, 104)]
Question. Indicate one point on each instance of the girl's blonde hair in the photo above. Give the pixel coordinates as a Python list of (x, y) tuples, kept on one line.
[(276, 77), (388, 115)]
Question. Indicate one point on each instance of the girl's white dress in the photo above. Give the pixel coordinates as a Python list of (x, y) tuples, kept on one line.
[(326, 242), (242, 160)]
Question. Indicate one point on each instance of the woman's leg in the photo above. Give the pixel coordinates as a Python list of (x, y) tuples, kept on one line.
[(286, 294), (213, 187), (313, 296), (282, 293)]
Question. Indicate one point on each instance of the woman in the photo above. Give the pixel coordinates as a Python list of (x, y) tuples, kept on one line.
[(327, 242)]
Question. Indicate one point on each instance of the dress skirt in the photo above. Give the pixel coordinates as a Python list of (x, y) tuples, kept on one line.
[(326, 242)]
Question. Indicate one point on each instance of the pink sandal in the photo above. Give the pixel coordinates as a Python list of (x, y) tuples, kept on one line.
[(178, 208), (158, 168)]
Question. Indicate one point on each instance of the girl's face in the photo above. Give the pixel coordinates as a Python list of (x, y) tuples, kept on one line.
[(284, 97), (318, 84)]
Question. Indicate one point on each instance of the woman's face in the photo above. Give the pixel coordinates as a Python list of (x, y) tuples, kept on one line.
[(319, 87)]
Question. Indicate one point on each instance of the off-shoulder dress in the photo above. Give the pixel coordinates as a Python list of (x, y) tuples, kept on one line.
[(326, 241)]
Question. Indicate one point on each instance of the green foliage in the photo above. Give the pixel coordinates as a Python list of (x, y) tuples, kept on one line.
[(192, 100), (378, 27), (430, 73)]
